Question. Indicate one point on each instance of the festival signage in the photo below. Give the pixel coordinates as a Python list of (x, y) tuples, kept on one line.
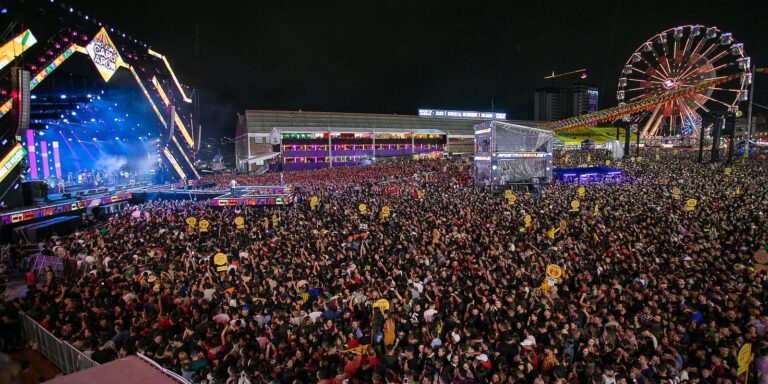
[(10, 160), (575, 205), (14, 48), (745, 354), (104, 54), (220, 261), (204, 225)]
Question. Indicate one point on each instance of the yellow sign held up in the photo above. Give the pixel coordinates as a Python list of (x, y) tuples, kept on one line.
[(527, 221), (582, 191), (240, 222), (658, 157), (597, 209), (204, 225), (737, 192), (575, 205), (385, 212), (745, 354), (690, 204), (676, 192), (727, 171), (275, 220), (512, 199), (220, 261), (589, 157), (554, 271), (382, 305), (508, 193), (313, 201), (607, 162), (191, 221), (362, 208)]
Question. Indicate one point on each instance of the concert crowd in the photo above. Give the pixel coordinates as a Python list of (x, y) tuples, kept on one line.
[(449, 287)]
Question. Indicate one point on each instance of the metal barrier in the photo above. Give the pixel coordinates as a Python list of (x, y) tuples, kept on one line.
[(62, 354), (167, 372)]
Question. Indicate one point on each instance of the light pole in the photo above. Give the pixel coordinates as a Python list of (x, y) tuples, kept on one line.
[(749, 111)]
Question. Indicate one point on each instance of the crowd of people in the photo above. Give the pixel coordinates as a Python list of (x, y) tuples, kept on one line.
[(433, 280)]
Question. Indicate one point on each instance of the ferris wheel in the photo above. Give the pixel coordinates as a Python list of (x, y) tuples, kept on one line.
[(678, 58)]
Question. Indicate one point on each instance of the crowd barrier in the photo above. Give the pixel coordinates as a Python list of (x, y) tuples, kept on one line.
[(68, 358), (60, 353)]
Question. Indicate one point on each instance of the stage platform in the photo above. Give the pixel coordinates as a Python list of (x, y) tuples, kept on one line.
[(255, 195), (585, 175)]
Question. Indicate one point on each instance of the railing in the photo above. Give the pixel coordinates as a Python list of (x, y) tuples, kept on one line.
[(167, 372), (62, 354), (68, 358)]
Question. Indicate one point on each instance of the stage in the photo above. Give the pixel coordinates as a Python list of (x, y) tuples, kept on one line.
[(585, 175)]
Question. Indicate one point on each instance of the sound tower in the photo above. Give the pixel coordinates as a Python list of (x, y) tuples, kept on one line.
[(21, 100), (11, 127)]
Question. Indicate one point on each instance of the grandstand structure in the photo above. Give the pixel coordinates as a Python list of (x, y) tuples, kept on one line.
[(257, 143)]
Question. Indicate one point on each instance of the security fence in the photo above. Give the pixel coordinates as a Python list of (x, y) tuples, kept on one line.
[(62, 354)]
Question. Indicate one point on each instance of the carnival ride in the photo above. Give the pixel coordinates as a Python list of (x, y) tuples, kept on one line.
[(671, 79)]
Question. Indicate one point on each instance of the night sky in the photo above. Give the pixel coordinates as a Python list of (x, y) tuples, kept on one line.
[(398, 56)]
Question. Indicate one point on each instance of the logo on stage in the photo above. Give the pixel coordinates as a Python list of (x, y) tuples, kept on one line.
[(104, 54)]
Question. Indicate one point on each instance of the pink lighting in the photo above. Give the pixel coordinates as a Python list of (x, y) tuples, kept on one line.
[(56, 159), (31, 153), (44, 154)]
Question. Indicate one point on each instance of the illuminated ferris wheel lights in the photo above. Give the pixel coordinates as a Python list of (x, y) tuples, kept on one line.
[(726, 38), (622, 82), (663, 38), (695, 30), (745, 95), (737, 49), (678, 32), (648, 46), (711, 32), (744, 64)]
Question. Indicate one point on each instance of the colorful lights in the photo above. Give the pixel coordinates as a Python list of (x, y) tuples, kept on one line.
[(173, 75), (184, 155), (14, 48), (174, 163), (44, 156), (56, 159), (183, 129), (45, 72), (11, 160), (32, 154), (149, 98), (161, 91)]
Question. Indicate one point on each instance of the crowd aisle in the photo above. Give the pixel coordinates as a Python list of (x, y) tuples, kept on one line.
[(651, 292)]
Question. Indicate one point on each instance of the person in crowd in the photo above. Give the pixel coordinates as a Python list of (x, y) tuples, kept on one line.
[(449, 286)]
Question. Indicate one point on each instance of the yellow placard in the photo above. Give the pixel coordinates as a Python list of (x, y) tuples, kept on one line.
[(745, 353), (313, 202), (191, 221), (691, 203), (204, 225), (527, 221), (727, 170), (575, 205), (676, 192), (589, 157), (658, 157), (512, 199), (554, 271), (508, 194), (219, 259), (381, 304), (607, 162), (582, 191), (362, 208), (385, 211), (275, 220), (737, 192), (240, 222), (597, 209)]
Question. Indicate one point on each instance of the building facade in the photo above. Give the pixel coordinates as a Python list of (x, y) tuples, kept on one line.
[(257, 141), (556, 103)]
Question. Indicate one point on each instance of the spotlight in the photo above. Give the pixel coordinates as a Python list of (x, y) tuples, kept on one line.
[(63, 96), (71, 10), (4, 11), (86, 17)]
